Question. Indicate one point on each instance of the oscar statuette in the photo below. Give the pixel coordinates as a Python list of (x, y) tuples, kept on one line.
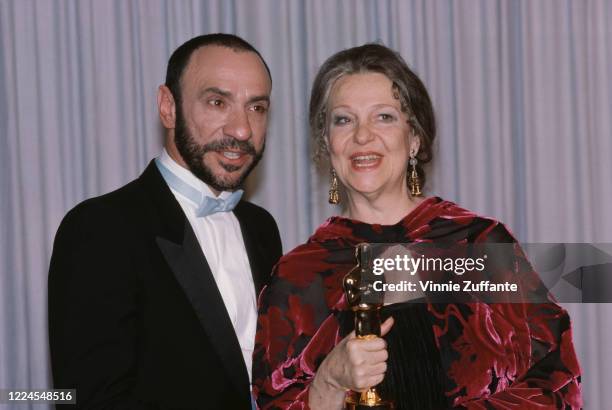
[(367, 322)]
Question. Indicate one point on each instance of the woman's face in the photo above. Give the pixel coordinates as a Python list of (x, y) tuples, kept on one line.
[(369, 136)]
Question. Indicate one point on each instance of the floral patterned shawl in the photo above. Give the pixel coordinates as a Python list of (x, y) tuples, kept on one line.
[(493, 356)]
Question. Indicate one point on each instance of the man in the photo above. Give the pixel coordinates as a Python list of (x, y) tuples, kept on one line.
[(152, 288)]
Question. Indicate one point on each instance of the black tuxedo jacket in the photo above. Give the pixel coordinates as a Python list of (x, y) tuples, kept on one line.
[(135, 317)]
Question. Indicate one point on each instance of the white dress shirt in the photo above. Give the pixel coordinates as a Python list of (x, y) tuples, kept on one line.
[(220, 238)]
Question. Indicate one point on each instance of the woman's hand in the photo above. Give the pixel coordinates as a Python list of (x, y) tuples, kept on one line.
[(354, 364)]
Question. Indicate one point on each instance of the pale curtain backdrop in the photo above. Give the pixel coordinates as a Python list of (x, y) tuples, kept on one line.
[(522, 91)]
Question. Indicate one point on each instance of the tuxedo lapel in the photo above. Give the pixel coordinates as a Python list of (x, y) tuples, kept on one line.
[(183, 254), (193, 274)]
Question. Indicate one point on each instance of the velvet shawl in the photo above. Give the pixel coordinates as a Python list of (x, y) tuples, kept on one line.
[(493, 356)]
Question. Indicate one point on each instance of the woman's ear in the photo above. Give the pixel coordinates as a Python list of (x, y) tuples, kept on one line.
[(415, 143), (326, 144)]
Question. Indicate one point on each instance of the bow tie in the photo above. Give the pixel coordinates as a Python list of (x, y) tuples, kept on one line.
[(206, 204), (210, 205)]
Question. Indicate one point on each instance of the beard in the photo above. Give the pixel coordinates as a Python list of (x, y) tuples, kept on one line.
[(193, 155)]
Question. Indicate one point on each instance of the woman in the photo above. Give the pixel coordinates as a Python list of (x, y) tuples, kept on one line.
[(374, 120)]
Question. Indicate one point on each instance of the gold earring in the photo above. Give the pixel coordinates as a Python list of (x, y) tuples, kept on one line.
[(334, 196), (414, 182)]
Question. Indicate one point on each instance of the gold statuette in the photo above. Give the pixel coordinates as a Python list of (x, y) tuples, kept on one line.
[(367, 323)]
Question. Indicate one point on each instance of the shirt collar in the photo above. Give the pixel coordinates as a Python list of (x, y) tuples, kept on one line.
[(189, 178)]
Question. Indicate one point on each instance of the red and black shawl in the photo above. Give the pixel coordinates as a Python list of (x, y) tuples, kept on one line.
[(471, 355)]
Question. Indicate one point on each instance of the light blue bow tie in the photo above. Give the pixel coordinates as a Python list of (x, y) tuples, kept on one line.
[(206, 204)]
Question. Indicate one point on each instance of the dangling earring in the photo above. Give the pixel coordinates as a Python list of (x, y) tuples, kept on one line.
[(334, 196), (414, 182)]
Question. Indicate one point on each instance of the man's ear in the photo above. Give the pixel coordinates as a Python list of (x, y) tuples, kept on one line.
[(166, 107)]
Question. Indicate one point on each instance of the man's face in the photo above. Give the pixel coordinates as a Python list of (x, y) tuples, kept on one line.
[(222, 117)]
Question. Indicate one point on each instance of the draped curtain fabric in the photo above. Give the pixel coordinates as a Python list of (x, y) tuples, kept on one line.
[(522, 92)]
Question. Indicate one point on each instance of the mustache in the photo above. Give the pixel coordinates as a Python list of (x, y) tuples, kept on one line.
[(230, 143)]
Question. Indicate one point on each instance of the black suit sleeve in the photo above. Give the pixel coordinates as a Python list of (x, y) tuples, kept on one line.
[(276, 246), (273, 248), (262, 240), (93, 312)]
